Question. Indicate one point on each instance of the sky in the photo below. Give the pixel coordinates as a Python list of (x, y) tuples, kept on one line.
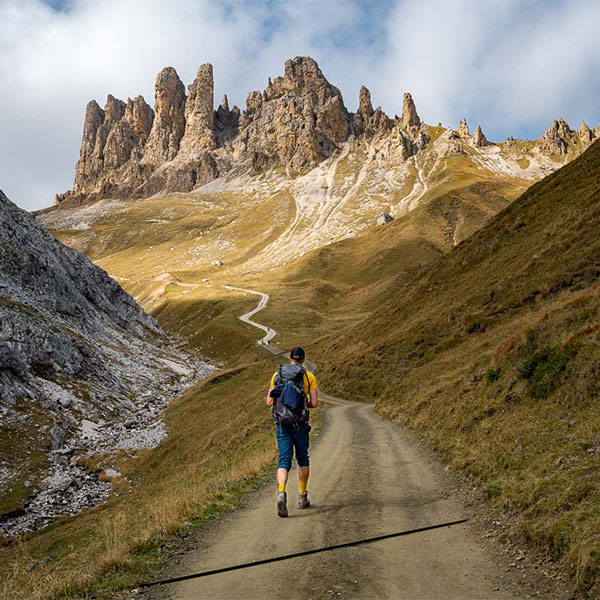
[(510, 65)]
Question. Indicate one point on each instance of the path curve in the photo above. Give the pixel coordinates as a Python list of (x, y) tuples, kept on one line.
[(368, 477), (246, 318)]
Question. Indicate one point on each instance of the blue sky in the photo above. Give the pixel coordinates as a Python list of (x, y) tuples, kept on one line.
[(510, 65)]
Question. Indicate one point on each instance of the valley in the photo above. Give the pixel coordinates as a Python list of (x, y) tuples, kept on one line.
[(446, 280)]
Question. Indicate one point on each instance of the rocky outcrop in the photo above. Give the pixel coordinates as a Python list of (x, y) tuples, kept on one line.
[(199, 136), (77, 352), (479, 140), (556, 139), (410, 119), (586, 135), (169, 121), (383, 218), (463, 129), (298, 121), (226, 122), (366, 120)]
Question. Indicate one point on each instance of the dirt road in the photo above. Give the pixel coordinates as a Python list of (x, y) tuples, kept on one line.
[(368, 477)]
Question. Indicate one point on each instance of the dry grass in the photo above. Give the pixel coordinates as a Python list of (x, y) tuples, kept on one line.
[(493, 352), (212, 454)]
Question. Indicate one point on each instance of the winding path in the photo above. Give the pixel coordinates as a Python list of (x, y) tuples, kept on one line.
[(246, 318), (368, 477)]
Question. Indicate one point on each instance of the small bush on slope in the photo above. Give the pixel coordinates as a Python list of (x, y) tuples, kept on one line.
[(520, 297)]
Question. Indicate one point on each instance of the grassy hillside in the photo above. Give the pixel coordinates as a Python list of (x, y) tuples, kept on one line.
[(494, 352), (195, 473)]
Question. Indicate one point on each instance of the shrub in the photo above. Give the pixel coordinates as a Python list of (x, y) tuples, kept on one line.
[(543, 369)]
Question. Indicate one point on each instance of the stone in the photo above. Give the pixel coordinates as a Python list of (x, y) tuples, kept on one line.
[(226, 122), (199, 135), (556, 139), (479, 140), (169, 119), (298, 121), (463, 129), (383, 218), (586, 135), (410, 119)]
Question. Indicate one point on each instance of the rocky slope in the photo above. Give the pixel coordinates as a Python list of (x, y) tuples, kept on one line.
[(83, 370), (298, 121)]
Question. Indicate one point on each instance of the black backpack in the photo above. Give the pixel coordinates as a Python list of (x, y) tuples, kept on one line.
[(289, 406)]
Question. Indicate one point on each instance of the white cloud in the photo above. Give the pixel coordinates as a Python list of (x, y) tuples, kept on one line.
[(513, 66)]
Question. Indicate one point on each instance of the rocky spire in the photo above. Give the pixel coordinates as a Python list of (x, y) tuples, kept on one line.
[(586, 135), (199, 133), (169, 121), (463, 129), (555, 140), (409, 118), (479, 140), (225, 103), (140, 116), (87, 166), (365, 108)]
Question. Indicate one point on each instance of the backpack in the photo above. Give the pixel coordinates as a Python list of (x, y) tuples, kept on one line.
[(289, 406)]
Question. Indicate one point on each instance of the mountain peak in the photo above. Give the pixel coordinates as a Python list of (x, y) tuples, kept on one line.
[(409, 118)]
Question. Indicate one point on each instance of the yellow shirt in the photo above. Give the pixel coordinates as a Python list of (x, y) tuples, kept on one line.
[(310, 382)]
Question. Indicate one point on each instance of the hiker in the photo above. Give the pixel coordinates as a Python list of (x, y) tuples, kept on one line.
[(292, 392)]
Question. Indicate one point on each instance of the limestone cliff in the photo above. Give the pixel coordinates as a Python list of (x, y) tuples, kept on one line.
[(299, 120)]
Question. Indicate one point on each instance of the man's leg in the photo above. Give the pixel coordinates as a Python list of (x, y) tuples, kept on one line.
[(301, 439), (303, 473), (282, 475), (286, 449)]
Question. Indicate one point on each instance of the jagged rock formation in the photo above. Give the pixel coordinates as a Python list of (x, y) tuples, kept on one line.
[(299, 120), (463, 129), (479, 140), (556, 139), (74, 348), (586, 135), (169, 123), (366, 120), (409, 118)]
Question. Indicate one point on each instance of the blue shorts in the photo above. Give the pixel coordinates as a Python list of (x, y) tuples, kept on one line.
[(287, 440)]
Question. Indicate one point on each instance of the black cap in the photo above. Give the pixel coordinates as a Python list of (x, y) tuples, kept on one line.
[(297, 353)]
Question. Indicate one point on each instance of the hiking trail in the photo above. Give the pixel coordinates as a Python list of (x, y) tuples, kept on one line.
[(368, 477)]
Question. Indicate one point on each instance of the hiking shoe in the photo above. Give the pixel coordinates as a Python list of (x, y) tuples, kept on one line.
[(282, 510), (303, 501)]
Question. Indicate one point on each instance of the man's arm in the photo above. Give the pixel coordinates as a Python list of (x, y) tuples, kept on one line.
[(271, 386), (314, 399)]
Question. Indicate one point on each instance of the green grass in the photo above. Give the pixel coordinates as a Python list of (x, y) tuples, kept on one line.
[(524, 425)]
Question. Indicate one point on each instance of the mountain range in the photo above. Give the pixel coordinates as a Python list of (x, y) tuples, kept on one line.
[(448, 279)]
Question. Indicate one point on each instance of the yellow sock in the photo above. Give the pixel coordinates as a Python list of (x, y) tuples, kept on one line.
[(281, 487), (303, 487)]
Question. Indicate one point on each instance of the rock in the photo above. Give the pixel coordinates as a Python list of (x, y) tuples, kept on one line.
[(463, 129), (365, 108), (169, 121), (410, 118), (226, 122), (479, 140), (298, 121), (383, 218), (556, 139), (586, 135), (366, 120), (199, 133)]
